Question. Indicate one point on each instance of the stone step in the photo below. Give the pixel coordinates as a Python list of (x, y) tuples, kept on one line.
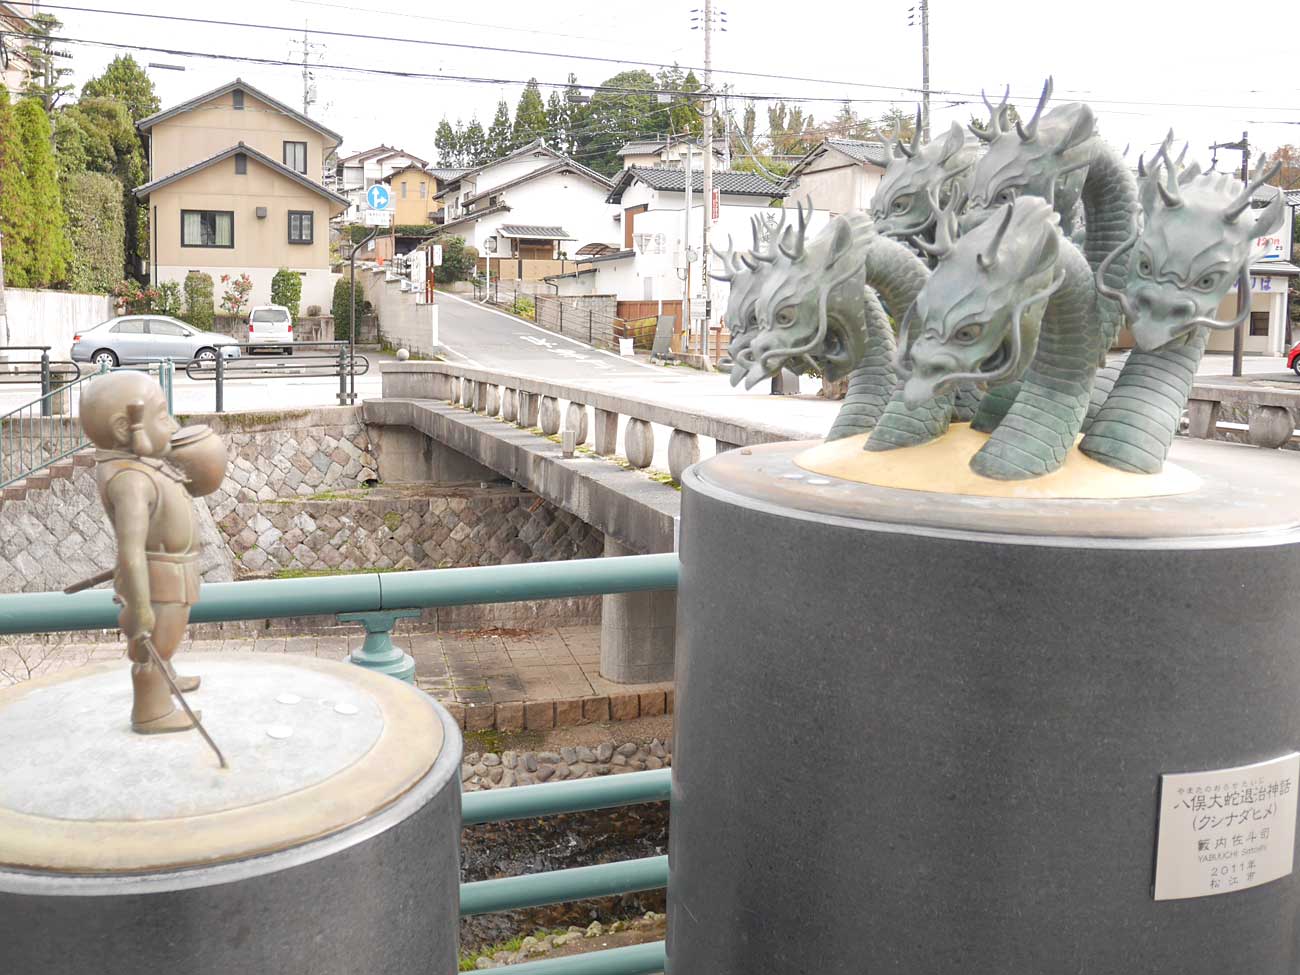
[(84, 458)]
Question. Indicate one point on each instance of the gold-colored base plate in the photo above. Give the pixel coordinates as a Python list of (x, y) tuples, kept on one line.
[(943, 466)]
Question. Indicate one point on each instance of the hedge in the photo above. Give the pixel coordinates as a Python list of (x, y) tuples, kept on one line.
[(97, 230)]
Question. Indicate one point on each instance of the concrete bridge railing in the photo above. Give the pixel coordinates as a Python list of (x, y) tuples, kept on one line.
[(1263, 416), (535, 403)]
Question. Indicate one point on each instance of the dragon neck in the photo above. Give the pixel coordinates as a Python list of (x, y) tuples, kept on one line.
[(894, 272), (1069, 336), (1109, 206)]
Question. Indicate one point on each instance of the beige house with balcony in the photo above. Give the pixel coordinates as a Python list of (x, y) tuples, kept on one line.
[(236, 188)]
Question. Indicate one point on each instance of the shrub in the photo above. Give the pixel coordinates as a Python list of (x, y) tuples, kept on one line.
[(342, 308), (459, 261), (313, 311), (523, 307), (97, 230), (198, 300), (236, 294), (168, 301), (286, 289), (132, 298)]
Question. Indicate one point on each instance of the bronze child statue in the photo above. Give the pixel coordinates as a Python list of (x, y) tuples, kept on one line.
[(148, 470)]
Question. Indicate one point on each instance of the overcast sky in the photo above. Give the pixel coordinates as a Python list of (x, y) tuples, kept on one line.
[(1144, 66)]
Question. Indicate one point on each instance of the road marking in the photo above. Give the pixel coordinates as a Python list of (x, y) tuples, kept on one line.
[(538, 328), (473, 362)]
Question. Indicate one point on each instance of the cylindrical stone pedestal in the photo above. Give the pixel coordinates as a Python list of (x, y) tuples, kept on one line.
[(924, 733), (331, 845)]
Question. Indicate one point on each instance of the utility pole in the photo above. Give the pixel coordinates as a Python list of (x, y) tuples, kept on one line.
[(1243, 294), (308, 48), (686, 245), (923, 8), (705, 280)]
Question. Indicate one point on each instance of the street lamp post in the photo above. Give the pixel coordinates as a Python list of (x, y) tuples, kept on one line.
[(352, 323)]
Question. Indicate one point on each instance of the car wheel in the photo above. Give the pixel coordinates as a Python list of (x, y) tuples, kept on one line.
[(206, 356), (105, 358), (1295, 365)]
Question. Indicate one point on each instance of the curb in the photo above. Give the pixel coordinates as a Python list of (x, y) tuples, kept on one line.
[(569, 712)]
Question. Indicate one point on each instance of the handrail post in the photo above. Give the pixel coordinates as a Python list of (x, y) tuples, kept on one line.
[(343, 375), (221, 382), (166, 373), (589, 326), (377, 651), (46, 405)]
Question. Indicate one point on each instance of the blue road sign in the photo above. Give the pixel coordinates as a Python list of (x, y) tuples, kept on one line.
[(378, 197)]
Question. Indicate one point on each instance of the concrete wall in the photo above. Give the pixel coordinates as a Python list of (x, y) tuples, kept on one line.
[(52, 317), (404, 320)]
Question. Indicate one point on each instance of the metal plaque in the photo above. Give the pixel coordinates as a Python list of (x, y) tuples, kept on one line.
[(1226, 830)]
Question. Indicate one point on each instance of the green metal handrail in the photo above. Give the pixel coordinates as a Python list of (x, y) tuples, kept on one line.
[(644, 959), (328, 595), (559, 886), (575, 795)]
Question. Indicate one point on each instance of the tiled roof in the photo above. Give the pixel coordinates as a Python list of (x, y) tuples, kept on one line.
[(442, 173), (640, 148), (534, 231), (147, 123), (876, 153), (563, 164), (367, 154), (263, 158), (726, 182)]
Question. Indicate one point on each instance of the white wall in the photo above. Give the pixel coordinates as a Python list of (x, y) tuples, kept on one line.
[(560, 199), (317, 284), (404, 320), (498, 174), (52, 317)]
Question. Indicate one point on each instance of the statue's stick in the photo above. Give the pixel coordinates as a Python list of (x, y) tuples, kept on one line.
[(94, 580), (176, 693)]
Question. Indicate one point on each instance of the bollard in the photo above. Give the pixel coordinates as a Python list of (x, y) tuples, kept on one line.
[(45, 383), (343, 375), (221, 382)]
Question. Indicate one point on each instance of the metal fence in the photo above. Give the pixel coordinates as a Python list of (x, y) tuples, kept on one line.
[(306, 359), (23, 613), (555, 314)]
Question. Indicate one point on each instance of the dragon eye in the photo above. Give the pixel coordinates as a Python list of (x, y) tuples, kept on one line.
[(902, 203), (1207, 282), (1007, 195), (968, 333), (1144, 267), (785, 316)]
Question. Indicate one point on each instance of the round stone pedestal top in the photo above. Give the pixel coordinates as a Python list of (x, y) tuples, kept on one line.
[(313, 746)]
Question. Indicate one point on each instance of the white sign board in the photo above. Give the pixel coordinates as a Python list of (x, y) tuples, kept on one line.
[(377, 218), (1226, 830), (415, 269), (437, 255)]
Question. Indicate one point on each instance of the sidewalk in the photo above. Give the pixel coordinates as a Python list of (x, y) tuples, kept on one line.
[(507, 679)]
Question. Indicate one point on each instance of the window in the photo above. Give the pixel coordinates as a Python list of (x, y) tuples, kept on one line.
[(424, 190), (403, 189), (207, 228), (237, 100), (1259, 323), (295, 156), (158, 326), (241, 164), (132, 326), (300, 227)]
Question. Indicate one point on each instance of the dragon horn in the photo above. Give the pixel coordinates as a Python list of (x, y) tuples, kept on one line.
[(1169, 190), (987, 263), (945, 225), (796, 249), (916, 133), (749, 260), (725, 257), (1238, 206), (987, 133), (1030, 132), (901, 150), (1142, 167), (753, 226)]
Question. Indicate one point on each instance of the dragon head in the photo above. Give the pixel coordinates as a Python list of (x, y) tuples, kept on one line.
[(808, 309), (902, 206), (745, 272), (1195, 244), (977, 317), (1033, 158)]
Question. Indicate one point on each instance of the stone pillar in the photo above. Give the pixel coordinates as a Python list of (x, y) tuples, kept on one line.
[(493, 403), (509, 404), (639, 442), (606, 433), (637, 631), (1270, 426), (548, 416), (1008, 679), (575, 419), (529, 404), (722, 446), (683, 451)]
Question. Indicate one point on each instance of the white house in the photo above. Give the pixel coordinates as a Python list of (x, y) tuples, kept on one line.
[(669, 153), (356, 173), (839, 175), (533, 205), (651, 266)]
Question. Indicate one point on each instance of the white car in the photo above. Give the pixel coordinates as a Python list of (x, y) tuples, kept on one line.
[(272, 326)]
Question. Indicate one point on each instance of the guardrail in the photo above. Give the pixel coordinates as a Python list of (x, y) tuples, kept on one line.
[(50, 373), (313, 359), (551, 312), (374, 597)]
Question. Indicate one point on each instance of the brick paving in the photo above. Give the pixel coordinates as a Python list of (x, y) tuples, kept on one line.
[(509, 679)]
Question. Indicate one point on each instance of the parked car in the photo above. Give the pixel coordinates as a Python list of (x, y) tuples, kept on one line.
[(1293, 359), (147, 338), (272, 326)]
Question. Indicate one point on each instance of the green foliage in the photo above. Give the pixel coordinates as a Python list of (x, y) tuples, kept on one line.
[(680, 116), (46, 229), (16, 210), (789, 130), (530, 116), (169, 300), (500, 133), (286, 289), (523, 307), (126, 82), (199, 310), (746, 164), (236, 293), (562, 121), (96, 232), (342, 307), (459, 261), (45, 84), (130, 297), (445, 141), (473, 143), (615, 117)]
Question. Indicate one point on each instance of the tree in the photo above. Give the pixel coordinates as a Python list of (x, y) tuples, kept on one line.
[(286, 289), (499, 139), (96, 231), (615, 117), (530, 116), (474, 143), (47, 230), (341, 308), (236, 294), (126, 82), (45, 83), (564, 118), (789, 131), (199, 311), (447, 144), (16, 210), (1288, 177), (459, 262), (681, 115)]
